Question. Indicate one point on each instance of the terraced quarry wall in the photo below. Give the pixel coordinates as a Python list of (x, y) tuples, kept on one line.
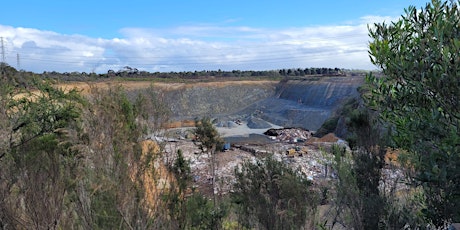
[(217, 98), (295, 103), (301, 103), (308, 103)]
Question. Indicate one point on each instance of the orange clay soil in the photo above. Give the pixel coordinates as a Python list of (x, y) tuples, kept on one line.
[(138, 85)]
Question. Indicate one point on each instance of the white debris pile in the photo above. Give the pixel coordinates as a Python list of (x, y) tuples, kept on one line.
[(290, 135), (200, 165), (313, 164), (311, 160), (227, 163)]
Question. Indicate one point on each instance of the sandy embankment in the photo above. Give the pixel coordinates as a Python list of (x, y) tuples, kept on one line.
[(138, 85)]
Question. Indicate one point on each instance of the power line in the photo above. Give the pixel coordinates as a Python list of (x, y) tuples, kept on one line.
[(261, 49), (198, 56), (247, 50), (249, 55), (279, 46), (184, 60)]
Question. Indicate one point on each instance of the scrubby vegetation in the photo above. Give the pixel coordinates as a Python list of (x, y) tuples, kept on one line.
[(270, 195)]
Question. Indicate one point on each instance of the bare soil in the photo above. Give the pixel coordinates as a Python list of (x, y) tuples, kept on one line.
[(139, 85)]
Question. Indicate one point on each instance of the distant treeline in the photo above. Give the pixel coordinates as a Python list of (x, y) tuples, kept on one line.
[(133, 73)]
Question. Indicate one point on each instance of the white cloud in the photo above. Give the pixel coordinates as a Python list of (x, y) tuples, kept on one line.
[(377, 19), (189, 48)]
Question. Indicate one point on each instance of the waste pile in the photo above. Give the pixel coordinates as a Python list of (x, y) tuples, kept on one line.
[(295, 147), (289, 135), (200, 165)]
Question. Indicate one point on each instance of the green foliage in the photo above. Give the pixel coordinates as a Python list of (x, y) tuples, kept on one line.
[(365, 197), (347, 203), (39, 155), (118, 169), (13, 77), (419, 98), (177, 195), (42, 111), (359, 200), (202, 213), (403, 210), (271, 195), (364, 131), (209, 141), (104, 213), (207, 136), (181, 169)]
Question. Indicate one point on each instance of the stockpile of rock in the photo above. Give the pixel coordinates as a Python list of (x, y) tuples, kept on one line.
[(228, 124), (289, 135), (257, 123)]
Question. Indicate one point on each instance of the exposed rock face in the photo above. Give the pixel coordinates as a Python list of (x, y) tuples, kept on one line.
[(215, 99), (307, 103), (295, 103), (322, 93)]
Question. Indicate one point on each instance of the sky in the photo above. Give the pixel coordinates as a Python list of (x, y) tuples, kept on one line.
[(185, 35)]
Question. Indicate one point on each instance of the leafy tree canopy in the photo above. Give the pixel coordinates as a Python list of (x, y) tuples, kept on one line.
[(419, 99)]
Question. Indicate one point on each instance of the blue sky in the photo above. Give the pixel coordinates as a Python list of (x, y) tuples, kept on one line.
[(179, 35)]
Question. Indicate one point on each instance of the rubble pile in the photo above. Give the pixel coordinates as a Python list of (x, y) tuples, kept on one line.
[(200, 165), (289, 135), (313, 164), (310, 157)]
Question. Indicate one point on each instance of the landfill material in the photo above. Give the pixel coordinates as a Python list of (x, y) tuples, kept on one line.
[(290, 135), (293, 146)]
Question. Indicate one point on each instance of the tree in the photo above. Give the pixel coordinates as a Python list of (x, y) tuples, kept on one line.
[(346, 211), (40, 155), (419, 99), (209, 141), (121, 166), (203, 214), (271, 195), (368, 165), (182, 173)]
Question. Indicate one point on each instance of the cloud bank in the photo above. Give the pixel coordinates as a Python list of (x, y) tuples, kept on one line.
[(190, 48)]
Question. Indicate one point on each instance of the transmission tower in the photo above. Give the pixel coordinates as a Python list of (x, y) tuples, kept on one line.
[(2, 64), (18, 62), (3, 50)]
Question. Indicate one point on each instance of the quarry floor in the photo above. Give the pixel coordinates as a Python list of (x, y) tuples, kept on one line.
[(312, 162)]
